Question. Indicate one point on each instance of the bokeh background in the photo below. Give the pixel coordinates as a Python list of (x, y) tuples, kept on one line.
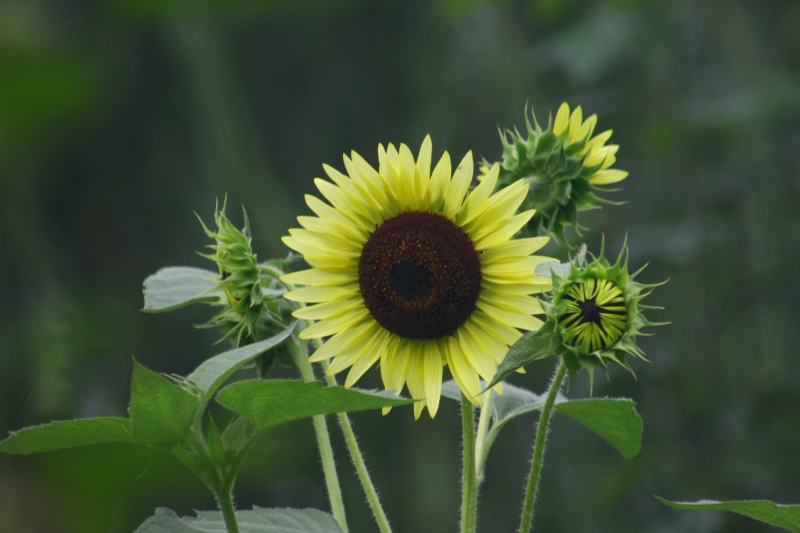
[(118, 119)]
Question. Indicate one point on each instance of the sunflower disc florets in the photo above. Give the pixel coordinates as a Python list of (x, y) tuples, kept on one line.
[(565, 166), (595, 313)]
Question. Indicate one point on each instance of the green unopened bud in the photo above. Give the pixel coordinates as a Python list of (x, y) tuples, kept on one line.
[(565, 165), (252, 308), (594, 313)]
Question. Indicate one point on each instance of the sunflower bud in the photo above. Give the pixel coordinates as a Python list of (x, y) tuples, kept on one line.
[(595, 312), (252, 301), (565, 166)]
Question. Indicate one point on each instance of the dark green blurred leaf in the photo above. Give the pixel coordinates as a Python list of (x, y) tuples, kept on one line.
[(259, 520), (175, 287), (68, 434), (273, 402), (160, 410), (785, 516)]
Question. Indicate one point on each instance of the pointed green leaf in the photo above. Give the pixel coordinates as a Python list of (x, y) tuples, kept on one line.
[(259, 520), (785, 516), (175, 287), (269, 403), (68, 434), (528, 348), (215, 446), (235, 435), (615, 420), (160, 410), (209, 376)]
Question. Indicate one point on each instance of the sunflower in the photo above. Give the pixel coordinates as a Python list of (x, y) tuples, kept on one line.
[(566, 165), (412, 270)]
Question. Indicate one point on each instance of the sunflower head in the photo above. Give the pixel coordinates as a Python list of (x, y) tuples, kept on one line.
[(412, 270), (565, 166), (252, 307), (594, 313)]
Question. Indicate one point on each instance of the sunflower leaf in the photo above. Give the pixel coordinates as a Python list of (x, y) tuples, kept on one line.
[(785, 516), (209, 376), (257, 520), (65, 434), (528, 348), (161, 411), (614, 420), (175, 287), (267, 403)]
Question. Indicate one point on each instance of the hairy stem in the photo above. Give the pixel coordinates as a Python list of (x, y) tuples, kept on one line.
[(538, 448), (482, 445), (225, 500), (323, 440), (469, 490), (349, 435)]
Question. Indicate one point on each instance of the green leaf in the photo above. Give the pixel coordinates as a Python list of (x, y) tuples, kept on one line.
[(615, 420), (175, 287), (209, 376), (785, 516), (68, 434), (528, 348), (269, 403), (259, 520), (236, 434), (515, 402), (160, 410), (215, 445)]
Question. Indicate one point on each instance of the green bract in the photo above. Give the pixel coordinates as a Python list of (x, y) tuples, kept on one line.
[(254, 307), (595, 313), (565, 166)]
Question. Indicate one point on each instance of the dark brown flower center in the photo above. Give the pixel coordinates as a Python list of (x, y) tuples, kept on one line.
[(420, 275)]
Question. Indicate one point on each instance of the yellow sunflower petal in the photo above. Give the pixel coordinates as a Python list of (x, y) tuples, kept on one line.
[(562, 119)]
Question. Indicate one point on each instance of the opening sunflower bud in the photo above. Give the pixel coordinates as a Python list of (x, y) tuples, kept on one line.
[(594, 313), (566, 166)]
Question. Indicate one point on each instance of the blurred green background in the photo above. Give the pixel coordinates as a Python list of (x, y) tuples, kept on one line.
[(118, 118)]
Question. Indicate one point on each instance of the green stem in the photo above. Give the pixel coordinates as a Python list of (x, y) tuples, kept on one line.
[(482, 445), (347, 429), (225, 501), (323, 440), (469, 490), (358, 462), (538, 448)]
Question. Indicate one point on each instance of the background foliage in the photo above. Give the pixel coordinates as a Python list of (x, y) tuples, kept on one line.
[(118, 119)]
